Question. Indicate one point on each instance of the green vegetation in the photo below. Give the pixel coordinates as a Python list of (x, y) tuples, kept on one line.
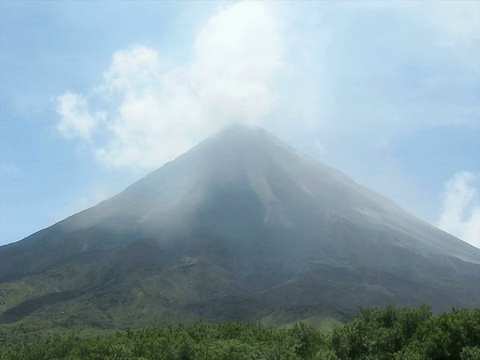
[(375, 334), (409, 334)]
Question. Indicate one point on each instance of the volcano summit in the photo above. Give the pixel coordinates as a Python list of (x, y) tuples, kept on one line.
[(242, 226)]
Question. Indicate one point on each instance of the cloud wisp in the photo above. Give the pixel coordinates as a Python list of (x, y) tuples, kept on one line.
[(460, 214), (146, 112)]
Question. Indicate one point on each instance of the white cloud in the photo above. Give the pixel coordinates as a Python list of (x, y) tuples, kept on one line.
[(76, 120), (237, 54), (152, 112), (460, 214), (132, 70)]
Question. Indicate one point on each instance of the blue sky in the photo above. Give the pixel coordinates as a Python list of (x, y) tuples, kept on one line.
[(94, 95)]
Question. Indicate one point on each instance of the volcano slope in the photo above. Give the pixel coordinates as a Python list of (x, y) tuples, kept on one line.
[(244, 227)]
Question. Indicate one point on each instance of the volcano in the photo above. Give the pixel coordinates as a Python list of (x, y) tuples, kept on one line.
[(243, 227)]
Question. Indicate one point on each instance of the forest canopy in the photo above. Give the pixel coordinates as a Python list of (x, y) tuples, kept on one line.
[(375, 334)]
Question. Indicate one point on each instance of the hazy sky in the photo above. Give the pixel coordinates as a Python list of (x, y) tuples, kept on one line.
[(94, 95)]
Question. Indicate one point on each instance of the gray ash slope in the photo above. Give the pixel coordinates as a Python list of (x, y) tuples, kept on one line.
[(242, 226)]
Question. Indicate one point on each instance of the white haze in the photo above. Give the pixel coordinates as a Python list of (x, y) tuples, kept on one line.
[(254, 61)]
